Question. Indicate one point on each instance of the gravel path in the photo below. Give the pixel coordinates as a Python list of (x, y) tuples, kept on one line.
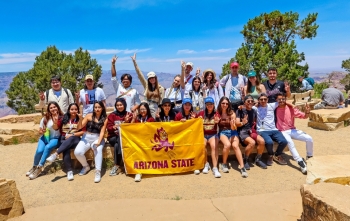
[(54, 188)]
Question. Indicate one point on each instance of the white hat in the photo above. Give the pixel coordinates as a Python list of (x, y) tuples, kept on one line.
[(151, 75), (190, 64), (89, 76)]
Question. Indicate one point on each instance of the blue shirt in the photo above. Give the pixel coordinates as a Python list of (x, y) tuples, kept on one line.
[(57, 93)]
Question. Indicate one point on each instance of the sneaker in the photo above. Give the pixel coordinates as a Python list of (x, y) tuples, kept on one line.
[(246, 164), (259, 163), (196, 172), (97, 176), (52, 158), (36, 173), (115, 170), (84, 170), (244, 173), (206, 168), (216, 172), (270, 160), (138, 177), (70, 176), (224, 168), (303, 167), (31, 171), (279, 159)]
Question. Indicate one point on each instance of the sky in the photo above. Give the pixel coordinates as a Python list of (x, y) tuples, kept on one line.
[(162, 33)]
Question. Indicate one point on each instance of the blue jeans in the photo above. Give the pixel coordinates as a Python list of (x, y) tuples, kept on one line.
[(273, 135), (43, 150)]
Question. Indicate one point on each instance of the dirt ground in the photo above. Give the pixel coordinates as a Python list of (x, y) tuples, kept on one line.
[(51, 189)]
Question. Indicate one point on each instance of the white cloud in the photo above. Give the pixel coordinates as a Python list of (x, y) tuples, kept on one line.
[(12, 58), (104, 51), (223, 50), (186, 51)]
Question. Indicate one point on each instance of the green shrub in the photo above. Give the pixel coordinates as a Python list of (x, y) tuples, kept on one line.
[(318, 88)]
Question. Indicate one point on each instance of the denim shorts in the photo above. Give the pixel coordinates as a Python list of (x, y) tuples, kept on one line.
[(228, 133), (210, 136)]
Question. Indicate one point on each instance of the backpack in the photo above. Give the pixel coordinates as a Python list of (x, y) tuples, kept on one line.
[(311, 81), (229, 77), (47, 94)]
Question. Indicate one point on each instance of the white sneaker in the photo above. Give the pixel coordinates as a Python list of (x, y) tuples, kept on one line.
[(206, 168), (216, 172), (52, 158), (84, 170), (197, 172), (70, 176), (97, 176), (138, 177)]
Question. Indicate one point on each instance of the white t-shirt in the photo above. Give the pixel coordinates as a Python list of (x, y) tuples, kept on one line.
[(266, 117), (174, 94), (188, 83), (53, 133), (132, 98), (88, 97)]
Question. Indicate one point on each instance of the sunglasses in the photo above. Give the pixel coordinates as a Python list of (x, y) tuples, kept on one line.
[(249, 101), (166, 105), (281, 99), (263, 99), (224, 103)]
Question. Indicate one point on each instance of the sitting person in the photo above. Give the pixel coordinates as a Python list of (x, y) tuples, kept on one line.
[(331, 98), (186, 112), (49, 139), (228, 135), (119, 116), (70, 137), (167, 112), (96, 123), (285, 123), (143, 117), (306, 83)]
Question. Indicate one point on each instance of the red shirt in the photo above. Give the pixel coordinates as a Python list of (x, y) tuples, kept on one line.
[(179, 116), (285, 117), (110, 123), (209, 125)]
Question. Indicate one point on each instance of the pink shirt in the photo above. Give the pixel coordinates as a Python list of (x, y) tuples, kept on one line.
[(285, 117)]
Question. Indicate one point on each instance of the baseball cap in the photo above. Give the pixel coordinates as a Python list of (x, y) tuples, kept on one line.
[(208, 100), (251, 74), (89, 76), (186, 100), (151, 75), (300, 77), (234, 64), (190, 64)]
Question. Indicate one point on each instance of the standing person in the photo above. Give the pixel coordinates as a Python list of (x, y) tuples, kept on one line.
[(58, 94), (154, 92), (228, 135), (143, 117), (186, 112), (212, 87), (285, 116), (307, 83), (234, 86), (331, 98), (96, 123), (119, 116), (175, 93), (49, 139), (70, 137), (125, 90), (246, 122), (188, 77), (89, 95), (266, 127), (166, 113), (274, 86), (197, 95), (253, 87)]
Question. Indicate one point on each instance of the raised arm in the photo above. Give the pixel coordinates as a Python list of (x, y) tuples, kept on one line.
[(182, 78), (287, 88), (113, 70), (139, 73)]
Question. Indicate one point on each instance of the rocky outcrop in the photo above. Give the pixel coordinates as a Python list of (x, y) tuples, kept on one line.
[(10, 201), (326, 202), (330, 115), (325, 126)]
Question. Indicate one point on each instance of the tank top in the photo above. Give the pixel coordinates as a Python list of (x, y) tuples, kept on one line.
[(254, 93), (224, 124), (93, 127)]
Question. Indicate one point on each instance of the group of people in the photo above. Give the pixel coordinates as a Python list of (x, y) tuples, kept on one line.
[(235, 110)]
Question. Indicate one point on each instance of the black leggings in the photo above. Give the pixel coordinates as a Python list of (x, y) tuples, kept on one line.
[(115, 142), (64, 147)]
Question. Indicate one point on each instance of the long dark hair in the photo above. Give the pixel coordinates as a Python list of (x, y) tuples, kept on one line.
[(212, 83), (66, 116), (229, 111), (103, 114), (150, 88), (171, 112), (257, 84), (48, 114), (211, 115), (183, 111), (139, 116), (200, 83)]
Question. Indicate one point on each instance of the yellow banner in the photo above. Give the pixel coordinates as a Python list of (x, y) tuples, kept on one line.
[(163, 147)]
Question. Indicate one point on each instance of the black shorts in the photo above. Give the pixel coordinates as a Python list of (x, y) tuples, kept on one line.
[(243, 135)]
